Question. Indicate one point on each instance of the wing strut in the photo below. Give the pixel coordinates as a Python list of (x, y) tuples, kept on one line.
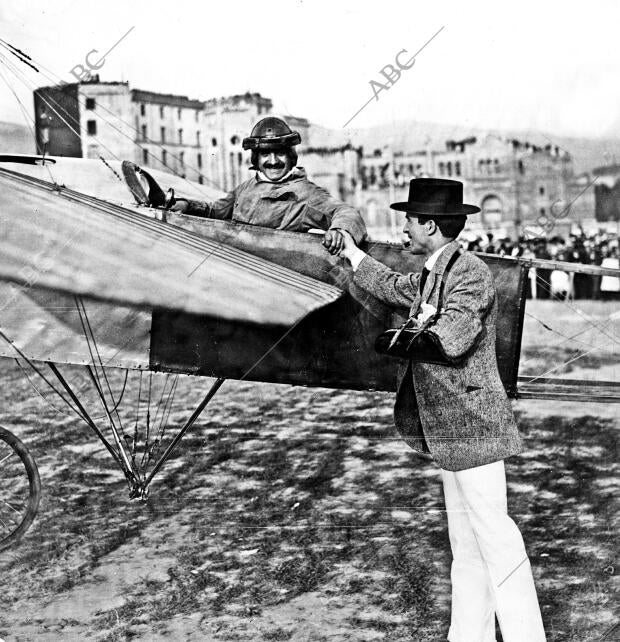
[(188, 424)]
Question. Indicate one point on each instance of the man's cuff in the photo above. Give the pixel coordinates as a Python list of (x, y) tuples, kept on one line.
[(357, 258)]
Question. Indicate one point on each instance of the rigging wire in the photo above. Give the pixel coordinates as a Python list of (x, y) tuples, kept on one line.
[(27, 118), (601, 327), (565, 338), (50, 76), (163, 423), (135, 429), (89, 421), (148, 422), (96, 381), (212, 250), (547, 286), (75, 131), (47, 401)]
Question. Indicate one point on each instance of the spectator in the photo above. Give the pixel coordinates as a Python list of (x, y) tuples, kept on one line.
[(610, 285)]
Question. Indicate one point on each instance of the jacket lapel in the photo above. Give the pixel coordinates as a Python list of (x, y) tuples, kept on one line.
[(431, 288), (434, 277)]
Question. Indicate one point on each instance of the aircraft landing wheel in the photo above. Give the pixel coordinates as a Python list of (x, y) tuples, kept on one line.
[(20, 489)]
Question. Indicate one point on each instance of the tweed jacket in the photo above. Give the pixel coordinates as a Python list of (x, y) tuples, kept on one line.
[(295, 204), (460, 414)]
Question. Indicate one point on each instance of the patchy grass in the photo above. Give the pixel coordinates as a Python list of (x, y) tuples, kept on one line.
[(292, 512)]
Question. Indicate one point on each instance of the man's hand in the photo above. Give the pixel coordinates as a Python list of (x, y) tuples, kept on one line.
[(333, 241), (348, 245)]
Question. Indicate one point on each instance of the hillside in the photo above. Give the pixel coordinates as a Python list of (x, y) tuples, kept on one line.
[(411, 135), (405, 135), (16, 138)]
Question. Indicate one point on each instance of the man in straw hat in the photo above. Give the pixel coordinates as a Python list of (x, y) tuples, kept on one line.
[(451, 404)]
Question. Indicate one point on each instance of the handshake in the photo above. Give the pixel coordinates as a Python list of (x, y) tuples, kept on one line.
[(340, 242)]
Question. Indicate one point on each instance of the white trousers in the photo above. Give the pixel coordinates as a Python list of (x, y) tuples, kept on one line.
[(491, 573)]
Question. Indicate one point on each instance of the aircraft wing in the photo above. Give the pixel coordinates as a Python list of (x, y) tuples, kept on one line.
[(73, 244)]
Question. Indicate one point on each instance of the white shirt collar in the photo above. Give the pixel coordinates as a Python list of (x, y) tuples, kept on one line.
[(432, 259)]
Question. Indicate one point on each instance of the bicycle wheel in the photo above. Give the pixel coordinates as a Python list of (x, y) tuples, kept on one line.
[(20, 489)]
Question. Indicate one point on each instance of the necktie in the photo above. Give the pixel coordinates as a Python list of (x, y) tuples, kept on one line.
[(423, 278)]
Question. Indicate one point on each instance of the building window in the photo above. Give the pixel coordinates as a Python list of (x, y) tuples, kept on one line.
[(449, 168), (91, 127), (441, 169), (145, 156), (162, 131), (179, 114), (196, 115), (457, 168), (90, 103), (164, 157), (199, 161), (234, 140), (161, 111), (143, 132), (142, 110), (182, 158), (541, 190), (200, 179), (521, 168), (214, 142), (180, 136), (543, 211), (198, 139), (496, 163)]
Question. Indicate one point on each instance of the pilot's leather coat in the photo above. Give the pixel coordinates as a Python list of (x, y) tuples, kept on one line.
[(295, 204)]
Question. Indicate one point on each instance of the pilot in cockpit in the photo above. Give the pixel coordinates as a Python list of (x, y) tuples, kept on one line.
[(280, 196)]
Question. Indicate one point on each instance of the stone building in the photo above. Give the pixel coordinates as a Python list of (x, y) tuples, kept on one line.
[(518, 186), (227, 121), (92, 119), (200, 140), (607, 196)]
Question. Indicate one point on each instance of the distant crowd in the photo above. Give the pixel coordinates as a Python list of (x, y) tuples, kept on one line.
[(598, 249)]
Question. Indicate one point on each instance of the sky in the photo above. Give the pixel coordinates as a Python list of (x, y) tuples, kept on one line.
[(530, 65)]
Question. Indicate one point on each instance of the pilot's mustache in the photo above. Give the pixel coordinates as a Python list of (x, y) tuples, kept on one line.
[(274, 165)]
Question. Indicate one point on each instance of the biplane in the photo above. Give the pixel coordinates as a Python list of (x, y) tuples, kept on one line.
[(98, 277)]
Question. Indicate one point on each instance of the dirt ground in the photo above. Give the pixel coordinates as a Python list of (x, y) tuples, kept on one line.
[(297, 514)]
